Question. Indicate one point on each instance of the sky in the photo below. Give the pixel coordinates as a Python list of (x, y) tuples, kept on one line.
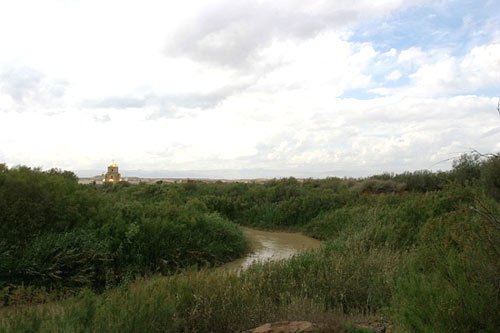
[(248, 88)]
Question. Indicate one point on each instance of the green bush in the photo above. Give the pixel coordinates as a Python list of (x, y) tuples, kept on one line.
[(34, 202), (451, 280), (490, 176), (72, 259), (378, 186), (329, 224), (57, 234), (466, 169), (423, 180)]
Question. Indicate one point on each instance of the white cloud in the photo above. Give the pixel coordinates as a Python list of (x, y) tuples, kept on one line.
[(391, 53), (363, 137), (217, 85), (394, 75), (326, 64), (230, 33), (481, 66), (436, 72), (412, 55)]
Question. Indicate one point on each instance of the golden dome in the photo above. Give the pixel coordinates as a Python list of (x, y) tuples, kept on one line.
[(113, 165)]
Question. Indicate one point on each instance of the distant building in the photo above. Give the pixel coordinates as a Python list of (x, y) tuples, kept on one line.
[(112, 176)]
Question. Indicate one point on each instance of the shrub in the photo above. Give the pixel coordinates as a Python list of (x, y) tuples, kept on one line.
[(490, 176), (32, 201), (66, 260), (57, 234), (423, 180), (451, 280), (378, 186), (329, 224), (466, 169)]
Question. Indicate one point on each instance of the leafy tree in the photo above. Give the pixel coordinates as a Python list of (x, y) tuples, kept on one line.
[(466, 169)]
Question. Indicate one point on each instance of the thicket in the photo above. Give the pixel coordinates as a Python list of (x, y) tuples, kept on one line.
[(62, 236), (421, 249), (293, 204)]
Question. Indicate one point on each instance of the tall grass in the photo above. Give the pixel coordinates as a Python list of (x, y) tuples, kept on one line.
[(306, 286), (451, 282)]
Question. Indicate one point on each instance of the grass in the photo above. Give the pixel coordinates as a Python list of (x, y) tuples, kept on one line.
[(427, 260), (313, 285), (439, 273)]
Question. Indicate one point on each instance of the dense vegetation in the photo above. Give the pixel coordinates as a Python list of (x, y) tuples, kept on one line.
[(421, 249), (62, 236)]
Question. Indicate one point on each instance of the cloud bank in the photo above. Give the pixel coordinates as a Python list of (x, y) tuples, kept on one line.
[(317, 88)]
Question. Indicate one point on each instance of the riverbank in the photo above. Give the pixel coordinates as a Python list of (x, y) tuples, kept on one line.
[(301, 287)]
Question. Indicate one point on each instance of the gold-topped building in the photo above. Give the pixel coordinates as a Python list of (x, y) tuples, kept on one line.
[(112, 176)]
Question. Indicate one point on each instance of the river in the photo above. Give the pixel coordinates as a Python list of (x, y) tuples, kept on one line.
[(271, 245)]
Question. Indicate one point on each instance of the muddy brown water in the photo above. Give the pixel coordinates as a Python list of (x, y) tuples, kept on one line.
[(271, 245)]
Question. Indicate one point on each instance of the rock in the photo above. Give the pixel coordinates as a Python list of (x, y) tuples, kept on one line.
[(286, 327)]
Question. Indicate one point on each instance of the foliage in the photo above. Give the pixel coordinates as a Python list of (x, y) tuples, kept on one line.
[(420, 248), (467, 168), (450, 282), (60, 235), (213, 301), (33, 202), (490, 176), (378, 186)]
